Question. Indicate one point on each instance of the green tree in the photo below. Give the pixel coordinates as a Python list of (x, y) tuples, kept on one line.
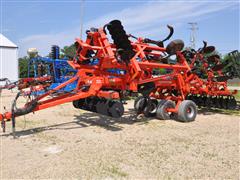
[(68, 51), (232, 64), (23, 66)]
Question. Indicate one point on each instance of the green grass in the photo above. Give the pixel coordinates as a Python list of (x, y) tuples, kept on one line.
[(233, 84), (115, 171), (221, 111), (231, 112)]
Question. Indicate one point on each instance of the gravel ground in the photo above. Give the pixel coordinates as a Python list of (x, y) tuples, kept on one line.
[(63, 142)]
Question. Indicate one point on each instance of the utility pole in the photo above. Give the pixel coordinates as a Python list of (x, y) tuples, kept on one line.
[(81, 17), (193, 29)]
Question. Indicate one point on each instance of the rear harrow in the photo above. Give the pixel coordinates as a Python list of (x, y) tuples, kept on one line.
[(209, 87), (221, 102)]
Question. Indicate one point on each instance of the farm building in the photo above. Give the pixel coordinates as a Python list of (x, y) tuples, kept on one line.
[(8, 59)]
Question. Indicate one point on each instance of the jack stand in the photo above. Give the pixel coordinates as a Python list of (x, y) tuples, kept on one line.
[(3, 124), (13, 127)]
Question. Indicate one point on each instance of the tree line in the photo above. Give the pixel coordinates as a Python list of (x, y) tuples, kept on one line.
[(65, 53)]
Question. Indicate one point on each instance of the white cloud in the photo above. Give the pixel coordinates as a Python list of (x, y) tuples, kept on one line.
[(142, 20), (152, 13), (43, 42)]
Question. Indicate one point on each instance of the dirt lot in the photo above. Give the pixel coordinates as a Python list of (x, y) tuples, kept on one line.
[(63, 142)]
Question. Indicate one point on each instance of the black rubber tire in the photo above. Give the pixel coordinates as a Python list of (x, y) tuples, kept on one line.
[(116, 109), (184, 107), (151, 108), (161, 112), (136, 101), (140, 105)]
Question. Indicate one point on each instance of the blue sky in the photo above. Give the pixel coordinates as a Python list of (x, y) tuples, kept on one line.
[(43, 23)]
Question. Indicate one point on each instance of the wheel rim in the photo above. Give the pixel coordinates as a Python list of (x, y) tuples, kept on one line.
[(140, 105), (153, 107), (136, 101), (162, 112), (190, 112), (166, 111)]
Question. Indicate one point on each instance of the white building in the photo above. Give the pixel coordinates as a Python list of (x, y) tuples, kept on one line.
[(8, 59)]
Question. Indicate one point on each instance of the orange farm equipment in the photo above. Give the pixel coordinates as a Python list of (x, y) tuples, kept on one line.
[(209, 88), (125, 67)]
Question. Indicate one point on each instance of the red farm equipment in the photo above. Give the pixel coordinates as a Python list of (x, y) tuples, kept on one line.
[(7, 84), (123, 68), (209, 88)]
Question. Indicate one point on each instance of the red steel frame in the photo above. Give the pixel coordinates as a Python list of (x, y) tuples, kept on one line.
[(101, 83), (98, 79)]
